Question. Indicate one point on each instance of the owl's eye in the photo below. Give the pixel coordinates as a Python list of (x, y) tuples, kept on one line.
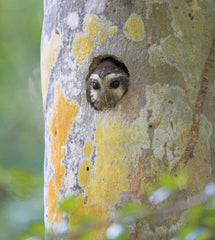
[(115, 84), (96, 86)]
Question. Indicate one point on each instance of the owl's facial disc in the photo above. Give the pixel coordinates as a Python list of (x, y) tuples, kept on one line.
[(96, 81), (107, 85), (96, 85), (114, 84)]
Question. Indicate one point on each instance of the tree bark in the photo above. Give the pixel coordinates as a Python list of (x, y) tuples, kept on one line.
[(165, 122)]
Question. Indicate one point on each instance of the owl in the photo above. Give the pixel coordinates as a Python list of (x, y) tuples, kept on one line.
[(107, 84)]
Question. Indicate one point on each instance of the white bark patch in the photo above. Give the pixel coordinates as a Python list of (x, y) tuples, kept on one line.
[(96, 6), (73, 20)]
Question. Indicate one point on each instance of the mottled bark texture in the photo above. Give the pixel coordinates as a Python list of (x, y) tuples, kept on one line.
[(164, 122)]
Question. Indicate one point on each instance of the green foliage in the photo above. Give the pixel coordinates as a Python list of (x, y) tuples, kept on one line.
[(18, 182), (70, 205), (34, 230), (83, 223), (200, 220), (132, 209), (21, 131), (173, 182), (20, 201)]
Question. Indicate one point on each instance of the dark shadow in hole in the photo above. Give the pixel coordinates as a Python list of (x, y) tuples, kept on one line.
[(102, 58)]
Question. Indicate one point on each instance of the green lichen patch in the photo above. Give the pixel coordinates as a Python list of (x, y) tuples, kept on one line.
[(155, 56), (188, 47), (171, 119)]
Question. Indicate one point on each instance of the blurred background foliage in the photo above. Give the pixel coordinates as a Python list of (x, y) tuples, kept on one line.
[(195, 214), (21, 131), (22, 141)]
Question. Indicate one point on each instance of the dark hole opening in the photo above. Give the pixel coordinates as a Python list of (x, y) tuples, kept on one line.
[(116, 62), (102, 58)]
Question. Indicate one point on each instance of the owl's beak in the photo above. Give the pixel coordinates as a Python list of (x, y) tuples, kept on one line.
[(108, 102), (106, 99)]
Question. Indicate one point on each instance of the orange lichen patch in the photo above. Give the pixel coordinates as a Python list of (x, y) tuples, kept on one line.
[(88, 149), (134, 28), (81, 48), (85, 174), (58, 216), (50, 51), (95, 29), (52, 200), (62, 117), (59, 174), (194, 5)]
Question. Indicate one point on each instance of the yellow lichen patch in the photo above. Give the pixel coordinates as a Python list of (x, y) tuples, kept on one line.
[(62, 117), (111, 167), (88, 149), (85, 174), (110, 172), (80, 211), (112, 30), (52, 200), (81, 48), (95, 29), (194, 5), (58, 216), (117, 148), (134, 28), (91, 25), (102, 36), (50, 50)]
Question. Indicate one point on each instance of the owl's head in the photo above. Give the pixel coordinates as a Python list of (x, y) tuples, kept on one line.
[(107, 84)]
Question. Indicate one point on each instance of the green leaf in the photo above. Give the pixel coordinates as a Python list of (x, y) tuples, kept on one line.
[(34, 230), (131, 209), (68, 204), (19, 182), (173, 182)]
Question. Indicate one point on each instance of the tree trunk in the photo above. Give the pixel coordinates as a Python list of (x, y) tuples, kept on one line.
[(164, 122)]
